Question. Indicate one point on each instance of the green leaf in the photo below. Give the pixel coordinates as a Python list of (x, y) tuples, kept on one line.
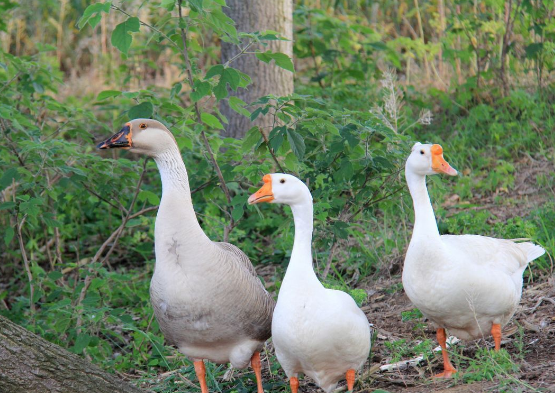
[(532, 50), (237, 105), (200, 89), (108, 94), (80, 343), (92, 14), (276, 137), (176, 88), (7, 205), (297, 143), (142, 111), (168, 4), (9, 177), (31, 207), (211, 120), (183, 142), (196, 5), (224, 24), (258, 111), (229, 77), (281, 59), (149, 196), (55, 275), (251, 139), (121, 36), (8, 235), (214, 70), (237, 212)]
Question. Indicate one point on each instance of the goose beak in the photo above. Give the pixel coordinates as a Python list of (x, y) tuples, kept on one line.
[(265, 194), (122, 139), (439, 165)]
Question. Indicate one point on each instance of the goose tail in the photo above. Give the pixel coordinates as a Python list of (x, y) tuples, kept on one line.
[(531, 250)]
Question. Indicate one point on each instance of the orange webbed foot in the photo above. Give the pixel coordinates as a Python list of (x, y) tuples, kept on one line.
[(446, 374)]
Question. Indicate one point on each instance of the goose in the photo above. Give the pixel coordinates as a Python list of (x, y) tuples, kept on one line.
[(206, 295), (319, 332), (467, 284)]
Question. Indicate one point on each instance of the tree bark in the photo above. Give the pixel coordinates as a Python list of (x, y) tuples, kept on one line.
[(29, 363), (249, 16)]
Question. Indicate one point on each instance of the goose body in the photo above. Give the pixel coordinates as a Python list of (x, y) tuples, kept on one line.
[(316, 331), (468, 284), (206, 295)]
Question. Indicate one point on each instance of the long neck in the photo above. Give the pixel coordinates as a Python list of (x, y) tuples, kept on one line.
[(300, 265), (424, 219), (176, 215)]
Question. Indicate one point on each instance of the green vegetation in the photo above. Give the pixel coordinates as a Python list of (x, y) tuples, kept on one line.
[(77, 225)]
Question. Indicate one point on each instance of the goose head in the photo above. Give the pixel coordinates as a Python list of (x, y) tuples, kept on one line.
[(427, 159), (144, 136), (281, 188)]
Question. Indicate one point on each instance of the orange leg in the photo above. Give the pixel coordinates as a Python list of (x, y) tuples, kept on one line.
[(294, 383), (448, 369), (350, 377), (496, 333), (201, 375), (257, 367)]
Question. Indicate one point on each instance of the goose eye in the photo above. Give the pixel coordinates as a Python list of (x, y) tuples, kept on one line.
[(282, 181), (422, 152), (142, 126)]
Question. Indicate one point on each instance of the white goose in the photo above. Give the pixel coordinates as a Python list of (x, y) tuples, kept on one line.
[(468, 284), (206, 295), (316, 331)]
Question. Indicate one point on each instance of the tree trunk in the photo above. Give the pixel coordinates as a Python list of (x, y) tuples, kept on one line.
[(29, 363), (249, 16)]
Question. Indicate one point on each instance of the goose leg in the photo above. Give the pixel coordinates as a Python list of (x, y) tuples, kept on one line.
[(496, 333), (257, 367), (350, 377), (294, 383), (448, 369), (201, 375)]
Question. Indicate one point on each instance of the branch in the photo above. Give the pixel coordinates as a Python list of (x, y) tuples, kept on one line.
[(114, 236), (127, 216), (187, 60), (102, 198), (241, 52)]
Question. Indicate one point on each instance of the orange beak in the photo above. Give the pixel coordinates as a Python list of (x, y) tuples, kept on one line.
[(265, 193), (439, 164)]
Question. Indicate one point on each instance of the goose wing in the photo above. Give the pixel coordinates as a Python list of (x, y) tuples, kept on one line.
[(501, 254)]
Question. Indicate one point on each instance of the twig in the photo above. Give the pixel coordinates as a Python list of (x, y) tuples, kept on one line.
[(10, 81), (270, 149), (334, 246), (114, 7), (188, 65), (241, 52), (121, 207), (540, 301), (18, 226)]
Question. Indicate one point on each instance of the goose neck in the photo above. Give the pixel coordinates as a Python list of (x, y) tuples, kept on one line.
[(176, 215), (424, 219), (301, 255)]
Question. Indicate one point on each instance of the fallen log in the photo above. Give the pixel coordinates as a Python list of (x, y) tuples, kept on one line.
[(29, 363)]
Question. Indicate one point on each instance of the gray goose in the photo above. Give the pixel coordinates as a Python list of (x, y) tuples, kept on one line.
[(206, 295)]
